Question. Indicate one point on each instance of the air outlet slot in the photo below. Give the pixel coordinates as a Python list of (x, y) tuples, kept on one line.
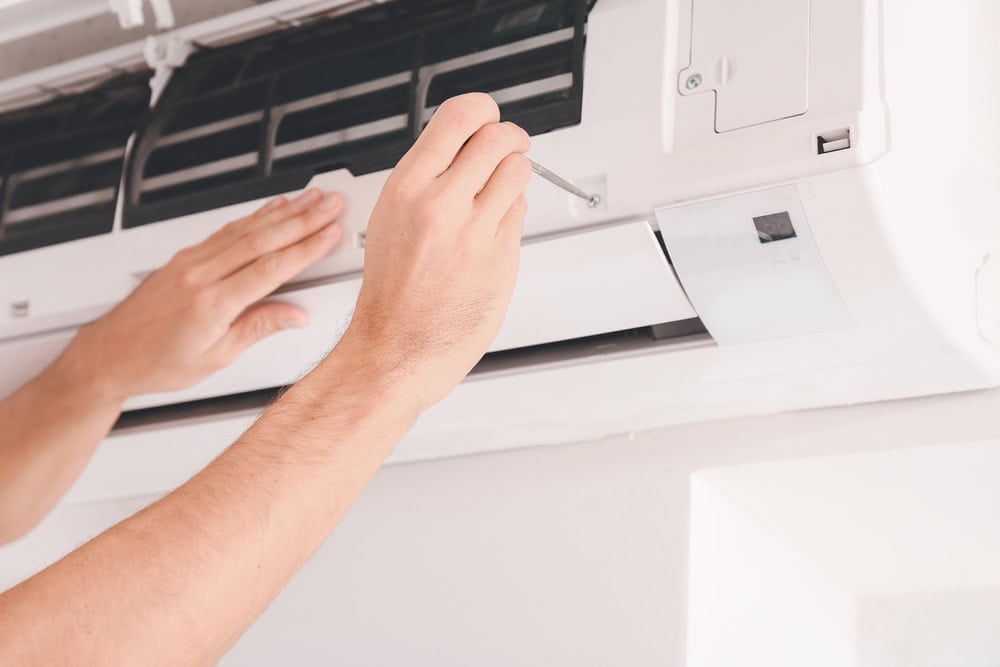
[(263, 116)]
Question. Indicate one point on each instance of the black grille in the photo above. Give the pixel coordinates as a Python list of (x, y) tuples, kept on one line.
[(61, 163), (263, 116)]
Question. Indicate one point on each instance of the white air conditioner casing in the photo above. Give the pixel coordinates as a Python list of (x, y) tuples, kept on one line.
[(698, 116)]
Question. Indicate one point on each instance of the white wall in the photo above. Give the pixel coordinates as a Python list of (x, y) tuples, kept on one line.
[(578, 554)]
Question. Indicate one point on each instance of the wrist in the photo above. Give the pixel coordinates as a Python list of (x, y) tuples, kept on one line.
[(374, 383), (81, 369), (343, 410)]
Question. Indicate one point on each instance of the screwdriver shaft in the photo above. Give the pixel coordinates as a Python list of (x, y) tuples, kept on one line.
[(556, 179)]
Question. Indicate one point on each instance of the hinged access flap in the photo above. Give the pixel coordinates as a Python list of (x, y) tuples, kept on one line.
[(754, 56), (595, 282), (573, 286)]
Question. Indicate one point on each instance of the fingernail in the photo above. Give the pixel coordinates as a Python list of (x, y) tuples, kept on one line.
[(291, 323), (310, 195), (330, 230), (330, 202)]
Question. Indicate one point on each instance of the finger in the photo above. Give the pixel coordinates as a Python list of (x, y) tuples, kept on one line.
[(265, 274), (275, 210), (511, 226), (453, 123), (255, 324), (507, 183), (267, 238), (487, 148), (296, 206), (235, 228), (275, 203)]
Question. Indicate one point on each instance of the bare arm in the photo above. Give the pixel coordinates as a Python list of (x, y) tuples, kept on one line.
[(185, 321), (180, 581)]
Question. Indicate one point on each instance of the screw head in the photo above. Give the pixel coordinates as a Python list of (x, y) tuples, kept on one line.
[(20, 309), (693, 81)]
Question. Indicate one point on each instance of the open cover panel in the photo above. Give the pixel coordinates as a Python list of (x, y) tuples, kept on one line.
[(61, 163), (262, 116), (569, 288)]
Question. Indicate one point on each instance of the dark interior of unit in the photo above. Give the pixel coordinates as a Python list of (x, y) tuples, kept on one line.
[(61, 163), (263, 116)]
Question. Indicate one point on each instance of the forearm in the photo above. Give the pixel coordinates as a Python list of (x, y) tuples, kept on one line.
[(192, 571), (48, 431), (178, 582), (191, 317)]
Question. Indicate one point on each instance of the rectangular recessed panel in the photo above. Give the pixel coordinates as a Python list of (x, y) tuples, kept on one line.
[(591, 283), (753, 56)]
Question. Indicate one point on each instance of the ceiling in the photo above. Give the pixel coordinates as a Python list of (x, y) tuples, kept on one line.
[(40, 33), (54, 47)]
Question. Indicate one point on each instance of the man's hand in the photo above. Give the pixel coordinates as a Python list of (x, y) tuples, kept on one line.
[(190, 318), (196, 315), (179, 582), (442, 248)]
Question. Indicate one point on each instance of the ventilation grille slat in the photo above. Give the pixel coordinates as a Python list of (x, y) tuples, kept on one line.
[(61, 163), (349, 92)]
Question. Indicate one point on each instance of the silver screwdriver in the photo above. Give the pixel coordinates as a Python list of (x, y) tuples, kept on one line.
[(592, 199)]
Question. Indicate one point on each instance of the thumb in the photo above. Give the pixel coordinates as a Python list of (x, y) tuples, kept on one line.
[(255, 324)]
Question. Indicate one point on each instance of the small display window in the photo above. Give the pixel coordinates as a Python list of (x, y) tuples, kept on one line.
[(774, 227)]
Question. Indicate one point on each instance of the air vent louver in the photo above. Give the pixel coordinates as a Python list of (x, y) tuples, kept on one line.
[(61, 163), (262, 116)]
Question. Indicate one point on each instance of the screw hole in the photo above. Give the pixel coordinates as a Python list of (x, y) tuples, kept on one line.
[(20, 309)]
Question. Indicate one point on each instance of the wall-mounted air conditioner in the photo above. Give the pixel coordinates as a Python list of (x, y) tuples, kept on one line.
[(792, 214)]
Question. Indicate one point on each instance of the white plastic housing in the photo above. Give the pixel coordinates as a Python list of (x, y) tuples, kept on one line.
[(902, 222)]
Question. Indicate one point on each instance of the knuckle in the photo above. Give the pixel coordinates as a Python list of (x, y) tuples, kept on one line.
[(237, 227), (260, 242), (314, 247), (311, 220), (520, 206), (187, 275), (492, 135), (516, 130), (519, 166), (272, 205), (260, 326), (290, 210), (294, 209), (517, 133), (471, 108), (400, 186), (203, 302), (454, 112), (483, 105), (521, 209), (182, 257)]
